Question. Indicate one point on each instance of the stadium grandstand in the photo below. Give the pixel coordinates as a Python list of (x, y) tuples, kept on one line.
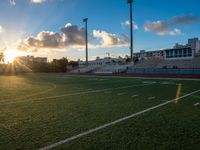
[(181, 59)]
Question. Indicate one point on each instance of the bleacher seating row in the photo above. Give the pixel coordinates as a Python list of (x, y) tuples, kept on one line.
[(103, 69), (167, 64), (142, 64)]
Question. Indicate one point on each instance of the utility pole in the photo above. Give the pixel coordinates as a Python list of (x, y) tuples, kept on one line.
[(130, 2), (86, 39)]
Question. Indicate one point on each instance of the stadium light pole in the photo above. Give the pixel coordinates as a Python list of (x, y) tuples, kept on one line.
[(86, 39), (130, 2)]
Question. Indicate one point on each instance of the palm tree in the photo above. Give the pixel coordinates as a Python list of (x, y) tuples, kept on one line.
[(2, 57)]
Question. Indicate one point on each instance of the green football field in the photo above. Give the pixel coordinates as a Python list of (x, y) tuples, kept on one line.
[(56, 111)]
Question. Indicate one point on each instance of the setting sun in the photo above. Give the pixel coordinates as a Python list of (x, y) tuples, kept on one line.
[(11, 54)]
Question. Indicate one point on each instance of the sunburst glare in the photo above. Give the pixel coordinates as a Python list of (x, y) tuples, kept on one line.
[(11, 54)]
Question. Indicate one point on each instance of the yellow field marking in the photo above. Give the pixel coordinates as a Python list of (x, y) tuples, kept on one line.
[(178, 92)]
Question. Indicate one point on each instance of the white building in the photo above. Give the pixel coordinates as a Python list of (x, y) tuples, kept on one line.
[(30, 59), (40, 59), (194, 43), (102, 62), (179, 51), (150, 54)]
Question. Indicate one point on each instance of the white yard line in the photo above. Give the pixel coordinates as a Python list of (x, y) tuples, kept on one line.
[(78, 93), (135, 95), (196, 104), (113, 123), (119, 94), (89, 89), (167, 83), (149, 82)]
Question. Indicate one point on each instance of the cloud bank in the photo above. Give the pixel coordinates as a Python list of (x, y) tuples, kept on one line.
[(12, 2), (110, 40), (71, 36), (184, 20), (161, 28), (167, 27)]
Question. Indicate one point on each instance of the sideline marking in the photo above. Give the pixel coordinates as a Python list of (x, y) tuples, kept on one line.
[(79, 93), (132, 77), (112, 123)]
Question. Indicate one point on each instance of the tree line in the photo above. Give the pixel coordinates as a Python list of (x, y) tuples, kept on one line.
[(56, 65)]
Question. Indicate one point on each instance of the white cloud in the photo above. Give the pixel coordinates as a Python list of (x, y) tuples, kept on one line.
[(12, 2), (175, 32), (126, 24), (1, 29), (38, 1), (110, 40), (161, 28), (44, 39), (71, 36), (167, 27), (184, 20)]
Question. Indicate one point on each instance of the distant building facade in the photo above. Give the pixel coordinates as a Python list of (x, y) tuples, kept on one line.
[(102, 61), (179, 51), (150, 54), (194, 43), (31, 59), (40, 59)]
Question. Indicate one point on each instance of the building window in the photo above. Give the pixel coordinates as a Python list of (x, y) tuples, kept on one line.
[(185, 53), (189, 52)]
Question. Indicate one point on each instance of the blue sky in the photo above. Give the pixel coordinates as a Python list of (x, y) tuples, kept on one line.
[(21, 19)]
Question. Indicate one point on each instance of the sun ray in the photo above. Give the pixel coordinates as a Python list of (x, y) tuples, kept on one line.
[(11, 54)]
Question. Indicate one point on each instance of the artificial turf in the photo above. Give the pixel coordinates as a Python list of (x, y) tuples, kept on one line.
[(37, 110)]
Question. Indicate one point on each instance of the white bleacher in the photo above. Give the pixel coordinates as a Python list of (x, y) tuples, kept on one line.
[(106, 64), (161, 63), (148, 63), (114, 68), (84, 69)]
